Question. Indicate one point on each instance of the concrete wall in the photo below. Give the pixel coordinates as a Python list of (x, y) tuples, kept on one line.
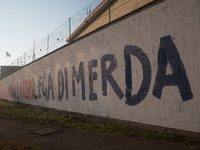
[(143, 68)]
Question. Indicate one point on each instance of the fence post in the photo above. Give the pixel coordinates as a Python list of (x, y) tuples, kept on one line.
[(24, 58), (47, 43), (69, 29), (33, 50)]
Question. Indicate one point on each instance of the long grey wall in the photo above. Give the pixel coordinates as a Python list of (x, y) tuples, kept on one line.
[(143, 68)]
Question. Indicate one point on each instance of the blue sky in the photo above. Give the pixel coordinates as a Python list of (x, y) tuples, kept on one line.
[(22, 21)]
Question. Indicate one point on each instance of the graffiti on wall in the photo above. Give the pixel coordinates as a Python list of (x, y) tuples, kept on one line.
[(167, 53)]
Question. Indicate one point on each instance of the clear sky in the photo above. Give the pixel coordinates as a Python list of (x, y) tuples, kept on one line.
[(22, 21)]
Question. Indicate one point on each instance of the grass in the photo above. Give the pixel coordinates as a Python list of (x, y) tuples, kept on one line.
[(13, 111)]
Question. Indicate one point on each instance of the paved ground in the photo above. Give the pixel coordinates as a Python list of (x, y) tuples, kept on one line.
[(73, 139)]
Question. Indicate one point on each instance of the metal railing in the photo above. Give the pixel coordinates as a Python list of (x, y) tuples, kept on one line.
[(55, 39)]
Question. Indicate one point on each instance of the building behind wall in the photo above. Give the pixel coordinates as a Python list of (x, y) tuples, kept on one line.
[(7, 70), (106, 12)]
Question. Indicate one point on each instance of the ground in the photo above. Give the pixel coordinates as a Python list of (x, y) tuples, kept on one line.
[(25, 136), (23, 127)]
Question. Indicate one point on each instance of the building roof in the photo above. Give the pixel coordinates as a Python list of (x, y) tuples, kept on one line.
[(106, 12), (102, 6)]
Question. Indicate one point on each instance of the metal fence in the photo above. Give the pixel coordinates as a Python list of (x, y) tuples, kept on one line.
[(55, 39)]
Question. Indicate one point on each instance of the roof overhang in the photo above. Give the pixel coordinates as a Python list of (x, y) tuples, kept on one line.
[(101, 7)]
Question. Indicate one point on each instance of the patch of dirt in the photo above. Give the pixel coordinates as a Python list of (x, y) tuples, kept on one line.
[(13, 145)]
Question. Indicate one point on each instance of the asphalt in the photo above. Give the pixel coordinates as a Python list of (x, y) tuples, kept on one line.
[(50, 138)]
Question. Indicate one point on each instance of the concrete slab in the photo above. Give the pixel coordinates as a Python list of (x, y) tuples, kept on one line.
[(46, 131)]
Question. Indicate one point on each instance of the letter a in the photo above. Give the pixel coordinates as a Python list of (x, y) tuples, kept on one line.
[(169, 53)]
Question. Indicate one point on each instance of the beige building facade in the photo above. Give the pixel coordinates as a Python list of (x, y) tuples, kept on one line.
[(108, 11)]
